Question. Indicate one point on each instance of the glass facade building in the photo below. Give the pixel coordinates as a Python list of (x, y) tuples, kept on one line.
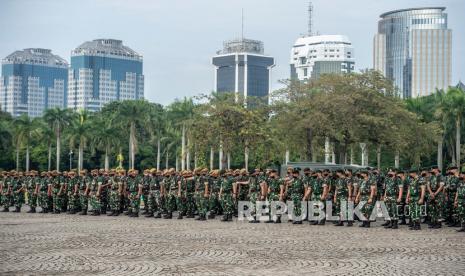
[(413, 47), (32, 81), (102, 71), (241, 67)]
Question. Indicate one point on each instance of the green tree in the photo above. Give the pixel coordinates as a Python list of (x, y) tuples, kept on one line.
[(57, 119)]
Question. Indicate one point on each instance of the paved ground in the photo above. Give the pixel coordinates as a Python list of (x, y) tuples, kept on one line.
[(37, 244)]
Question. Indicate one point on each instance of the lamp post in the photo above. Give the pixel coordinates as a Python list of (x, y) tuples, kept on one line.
[(70, 159)]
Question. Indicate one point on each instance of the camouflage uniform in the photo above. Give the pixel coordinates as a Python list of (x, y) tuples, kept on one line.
[(154, 198), (365, 187), (435, 204), (274, 190), (460, 194), (84, 183), (214, 205), (392, 188), (296, 194), (31, 183), (226, 198), (450, 213), (94, 195), (134, 196), (201, 185), (44, 199), (414, 206), (73, 195)]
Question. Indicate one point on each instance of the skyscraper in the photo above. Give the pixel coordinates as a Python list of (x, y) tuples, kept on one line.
[(312, 56), (413, 47), (242, 67), (32, 81), (102, 71)]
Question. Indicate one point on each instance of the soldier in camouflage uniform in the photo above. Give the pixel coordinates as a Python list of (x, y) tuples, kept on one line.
[(342, 192), (115, 188), (275, 190), (44, 195), (402, 180), (3, 177), (296, 193), (315, 193), (415, 197), (32, 183), (7, 191), (56, 189), (94, 192), (145, 182), (73, 193), (393, 191), (459, 201), (366, 193), (451, 189), (188, 191), (154, 197), (258, 188), (435, 189), (171, 188), (214, 185), (135, 192), (227, 195), (202, 192), (84, 182), (19, 189)]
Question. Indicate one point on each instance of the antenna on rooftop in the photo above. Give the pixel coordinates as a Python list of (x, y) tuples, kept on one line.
[(242, 30), (310, 18)]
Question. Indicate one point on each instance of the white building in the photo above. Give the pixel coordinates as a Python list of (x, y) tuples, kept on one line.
[(312, 56)]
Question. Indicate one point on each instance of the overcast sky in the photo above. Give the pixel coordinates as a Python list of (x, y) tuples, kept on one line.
[(177, 38)]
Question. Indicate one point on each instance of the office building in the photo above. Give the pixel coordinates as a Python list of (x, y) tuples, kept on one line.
[(413, 47), (32, 81), (102, 71), (243, 68)]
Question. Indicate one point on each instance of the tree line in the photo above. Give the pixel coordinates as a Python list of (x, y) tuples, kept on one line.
[(355, 118)]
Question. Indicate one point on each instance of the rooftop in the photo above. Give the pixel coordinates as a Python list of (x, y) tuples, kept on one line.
[(322, 39), (411, 9), (36, 56), (242, 45), (106, 47)]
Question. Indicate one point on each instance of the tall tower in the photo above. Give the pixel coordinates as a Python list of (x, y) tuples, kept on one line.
[(102, 71), (243, 68), (413, 47), (315, 55), (32, 81)]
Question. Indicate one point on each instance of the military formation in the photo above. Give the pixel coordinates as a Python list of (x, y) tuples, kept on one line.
[(411, 197)]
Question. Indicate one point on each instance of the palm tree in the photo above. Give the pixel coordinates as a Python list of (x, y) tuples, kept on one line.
[(157, 124), (180, 113), (131, 115), (104, 138), (80, 131), (452, 107), (57, 119), (24, 129)]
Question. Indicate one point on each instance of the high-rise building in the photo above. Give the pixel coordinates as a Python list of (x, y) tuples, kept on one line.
[(312, 56), (32, 81), (102, 71), (243, 68), (413, 47)]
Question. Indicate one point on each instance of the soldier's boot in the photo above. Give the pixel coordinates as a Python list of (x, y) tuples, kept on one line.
[(6, 209), (17, 210), (403, 222), (368, 224), (387, 223), (411, 224), (135, 214), (180, 215), (149, 215), (168, 215), (32, 210), (211, 215), (418, 226), (322, 222), (278, 219), (116, 213), (350, 223), (157, 215), (462, 229), (255, 220), (83, 212), (395, 224), (297, 222), (438, 225), (339, 223), (224, 218), (202, 217)]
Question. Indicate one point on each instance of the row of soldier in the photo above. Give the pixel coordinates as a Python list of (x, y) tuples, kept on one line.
[(207, 194)]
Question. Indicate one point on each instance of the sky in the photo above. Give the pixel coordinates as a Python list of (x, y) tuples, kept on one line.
[(177, 38)]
